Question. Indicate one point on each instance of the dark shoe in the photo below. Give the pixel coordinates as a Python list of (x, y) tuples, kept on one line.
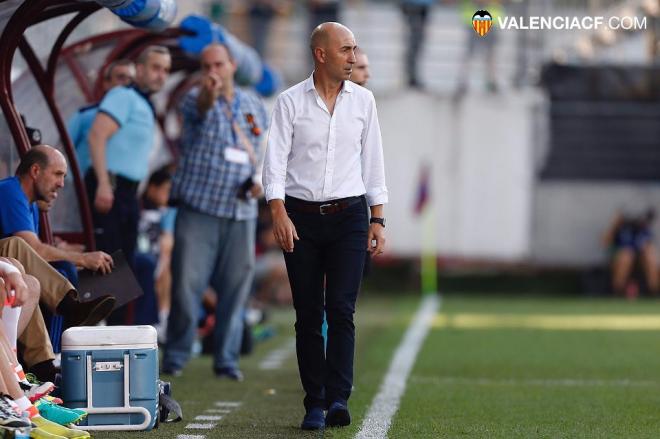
[(45, 371), (313, 419), (338, 415), (229, 372), (89, 313)]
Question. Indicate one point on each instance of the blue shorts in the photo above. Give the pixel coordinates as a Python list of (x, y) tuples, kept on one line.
[(632, 238)]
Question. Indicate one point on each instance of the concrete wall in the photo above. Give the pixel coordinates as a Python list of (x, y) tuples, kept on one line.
[(571, 217), (480, 152)]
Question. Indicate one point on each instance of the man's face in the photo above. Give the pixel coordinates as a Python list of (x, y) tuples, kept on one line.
[(49, 180), (159, 194), (361, 72), (340, 54), (151, 75), (216, 60), (120, 75)]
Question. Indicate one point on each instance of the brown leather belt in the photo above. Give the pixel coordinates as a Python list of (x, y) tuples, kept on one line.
[(321, 207)]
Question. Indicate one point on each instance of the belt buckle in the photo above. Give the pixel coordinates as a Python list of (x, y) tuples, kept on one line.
[(325, 205)]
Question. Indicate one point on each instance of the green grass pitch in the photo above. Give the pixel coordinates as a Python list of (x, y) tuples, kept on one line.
[(499, 378)]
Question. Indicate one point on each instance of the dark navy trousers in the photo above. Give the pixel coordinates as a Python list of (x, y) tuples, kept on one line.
[(117, 230), (325, 271)]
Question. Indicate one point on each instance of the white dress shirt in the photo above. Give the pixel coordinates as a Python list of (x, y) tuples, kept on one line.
[(316, 156)]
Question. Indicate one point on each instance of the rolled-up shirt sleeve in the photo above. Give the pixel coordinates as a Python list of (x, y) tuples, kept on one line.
[(191, 131), (188, 107), (278, 147), (262, 117), (373, 164)]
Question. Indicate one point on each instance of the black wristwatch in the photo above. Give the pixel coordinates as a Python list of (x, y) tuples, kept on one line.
[(377, 220)]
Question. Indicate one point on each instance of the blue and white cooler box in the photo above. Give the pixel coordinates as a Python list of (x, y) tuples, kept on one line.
[(112, 372)]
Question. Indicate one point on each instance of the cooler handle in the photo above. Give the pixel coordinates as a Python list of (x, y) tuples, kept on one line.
[(114, 410)]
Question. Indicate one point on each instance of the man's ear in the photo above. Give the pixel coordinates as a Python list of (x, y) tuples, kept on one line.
[(34, 170), (139, 71), (319, 54)]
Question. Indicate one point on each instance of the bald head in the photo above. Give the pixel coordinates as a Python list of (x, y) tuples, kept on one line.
[(53, 154), (212, 49), (327, 32), (333, 48), (40, 155)]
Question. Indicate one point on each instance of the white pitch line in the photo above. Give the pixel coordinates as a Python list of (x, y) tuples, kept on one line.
[(200, 426), (270, 365), (537, 382), (208, 418), (191, 436), (232, 404), (223, 411), (386, 402), (275, 359)]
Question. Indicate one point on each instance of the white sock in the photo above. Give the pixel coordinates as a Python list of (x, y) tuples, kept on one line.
[(10, 315), (162, 316), (161, 328), (10, 324), (23, 403)]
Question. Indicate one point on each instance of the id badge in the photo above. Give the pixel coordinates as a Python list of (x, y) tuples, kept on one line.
[(236, 155)]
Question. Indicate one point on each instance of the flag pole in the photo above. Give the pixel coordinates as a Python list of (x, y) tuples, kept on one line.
[(429, 268), (425, 210)]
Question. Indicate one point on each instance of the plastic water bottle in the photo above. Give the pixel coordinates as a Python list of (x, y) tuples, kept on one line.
[(24, 433)]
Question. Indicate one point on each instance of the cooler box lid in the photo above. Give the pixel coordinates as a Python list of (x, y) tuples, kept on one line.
[(109, 337)]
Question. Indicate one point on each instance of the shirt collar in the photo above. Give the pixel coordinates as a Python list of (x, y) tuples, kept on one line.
[(309, 84), (238, 93), (145, 95)]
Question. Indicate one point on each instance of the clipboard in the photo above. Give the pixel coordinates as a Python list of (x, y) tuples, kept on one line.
[(120, 283)]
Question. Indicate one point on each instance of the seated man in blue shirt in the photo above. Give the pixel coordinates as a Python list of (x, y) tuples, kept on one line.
[(39, 177)]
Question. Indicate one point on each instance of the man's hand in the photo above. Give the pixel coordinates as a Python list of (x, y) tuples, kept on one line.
[(209, 92), (16, 289), (283, 229), (377, 234), (104, 198), (97, 261), (256, 190), (212, 84)]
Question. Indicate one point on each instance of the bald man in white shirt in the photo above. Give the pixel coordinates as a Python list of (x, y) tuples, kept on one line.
[(323, 173)]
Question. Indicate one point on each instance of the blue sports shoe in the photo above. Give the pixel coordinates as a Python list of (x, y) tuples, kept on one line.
[(313, 419), (338, 415)]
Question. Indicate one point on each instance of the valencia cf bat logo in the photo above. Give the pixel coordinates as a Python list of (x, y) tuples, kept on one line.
[(482, 22)]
